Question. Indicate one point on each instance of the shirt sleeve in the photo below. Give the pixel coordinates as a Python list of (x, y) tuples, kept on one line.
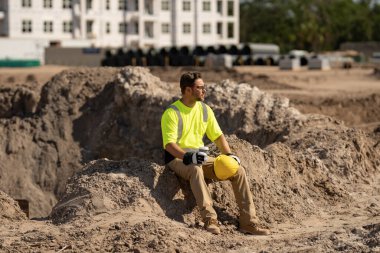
[(169, 127), (213, 130)]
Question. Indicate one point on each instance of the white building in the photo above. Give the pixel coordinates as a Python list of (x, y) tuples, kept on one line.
[(117, 23)]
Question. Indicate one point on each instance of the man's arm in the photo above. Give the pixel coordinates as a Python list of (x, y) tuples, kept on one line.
[(222, 145), (186, 157), (175, 150)]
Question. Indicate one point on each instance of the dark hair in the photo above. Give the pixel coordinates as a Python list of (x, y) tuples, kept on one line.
[(188, 79)]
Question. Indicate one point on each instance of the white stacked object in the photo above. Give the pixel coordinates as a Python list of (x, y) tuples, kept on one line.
[(319, 64), (290, 64), (222, 60)]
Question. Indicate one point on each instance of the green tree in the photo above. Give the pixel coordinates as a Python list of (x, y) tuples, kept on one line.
[(375, 17), (313, 25)]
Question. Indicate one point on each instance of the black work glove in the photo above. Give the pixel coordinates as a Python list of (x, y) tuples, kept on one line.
[(194, 157), (234, 157)]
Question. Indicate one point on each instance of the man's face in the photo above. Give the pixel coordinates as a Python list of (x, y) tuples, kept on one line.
[(199, 90)]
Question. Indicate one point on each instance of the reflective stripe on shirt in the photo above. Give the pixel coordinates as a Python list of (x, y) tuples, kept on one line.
[(180, 121)]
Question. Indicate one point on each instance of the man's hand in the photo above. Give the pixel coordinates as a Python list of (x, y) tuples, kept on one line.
[(234, 157), (194, 157)]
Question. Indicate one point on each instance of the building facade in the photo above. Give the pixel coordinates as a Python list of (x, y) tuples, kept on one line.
[(121, 23)]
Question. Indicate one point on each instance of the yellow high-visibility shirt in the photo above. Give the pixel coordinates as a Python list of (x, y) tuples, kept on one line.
[(194, 128)]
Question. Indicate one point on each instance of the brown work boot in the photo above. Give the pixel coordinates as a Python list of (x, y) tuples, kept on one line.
[(211, 225), (253, 229)]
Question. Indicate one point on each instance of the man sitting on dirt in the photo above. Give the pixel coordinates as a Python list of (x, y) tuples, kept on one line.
[(183, 126)]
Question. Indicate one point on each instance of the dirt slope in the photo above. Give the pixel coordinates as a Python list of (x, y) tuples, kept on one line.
[(9, 209), (37, 151)]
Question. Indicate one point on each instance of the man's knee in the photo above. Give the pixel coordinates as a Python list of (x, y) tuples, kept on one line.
[(241, 172)]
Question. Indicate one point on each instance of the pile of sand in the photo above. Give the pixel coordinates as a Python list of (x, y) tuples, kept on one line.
[(297, 165), (315, 159), (359, 112), (9, 209), (17, 101), (38, 152), (88, 114)]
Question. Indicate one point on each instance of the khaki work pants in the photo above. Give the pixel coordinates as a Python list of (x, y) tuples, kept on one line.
[(196, 174)]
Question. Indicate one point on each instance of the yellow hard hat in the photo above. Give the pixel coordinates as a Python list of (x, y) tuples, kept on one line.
[(225, 167)]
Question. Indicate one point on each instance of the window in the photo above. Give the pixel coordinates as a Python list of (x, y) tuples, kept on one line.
[(67, 26), (26, 3), (148, 8), (67, 4), (136, 28), (219, 6), (123, 5), (89, 4), (108, 5), (186, 6), (165, 28), (89, 26), (27, 26), (219, 29), (230, 32), (230, 8), (48, 26), (108, 28), (207, 28), (149, 30), (206, 6), (136, 5), (165, 5), (48, 4), (186, 28), (123, 27)]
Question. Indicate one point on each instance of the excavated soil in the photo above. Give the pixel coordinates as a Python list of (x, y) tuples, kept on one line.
[(86, 152), (9, 209)]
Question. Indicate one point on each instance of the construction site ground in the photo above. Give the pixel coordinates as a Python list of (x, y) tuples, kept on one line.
[(314, 169)]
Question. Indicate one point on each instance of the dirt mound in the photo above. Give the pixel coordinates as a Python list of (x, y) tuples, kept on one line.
[(9, 209), (138, 205), (88, 114), (105, 185), (286, 187), (263, 119), (299, 167), (359, 112), (17, 101), (38, 151)]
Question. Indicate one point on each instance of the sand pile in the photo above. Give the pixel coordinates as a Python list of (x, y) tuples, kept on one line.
[(360, 112), (17, 101), (9, 209), (138, 205), (89, 114), (105, 185), (298, 165), (38, 152), (282, 193)]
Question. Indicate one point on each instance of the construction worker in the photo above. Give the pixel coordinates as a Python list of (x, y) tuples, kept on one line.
[(183, 125)]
